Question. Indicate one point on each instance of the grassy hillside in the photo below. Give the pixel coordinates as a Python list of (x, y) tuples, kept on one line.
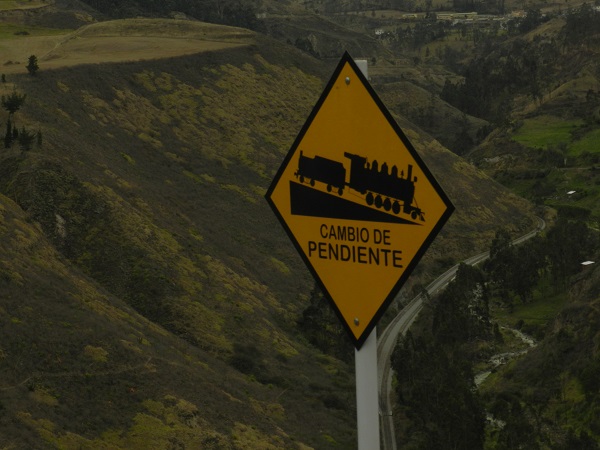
[(320, 36), (149, 293), (156, 214), (81, 369), (113, 41)]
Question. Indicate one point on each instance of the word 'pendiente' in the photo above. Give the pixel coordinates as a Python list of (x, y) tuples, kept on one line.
[(361, 254)]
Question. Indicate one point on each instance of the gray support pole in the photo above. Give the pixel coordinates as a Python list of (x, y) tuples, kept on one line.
[(367, 398), (367, 383)]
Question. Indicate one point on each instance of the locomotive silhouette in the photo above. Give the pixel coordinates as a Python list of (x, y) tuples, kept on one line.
[(378, 186)]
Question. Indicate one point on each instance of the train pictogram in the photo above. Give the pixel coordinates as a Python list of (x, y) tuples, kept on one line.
[(378, 186)]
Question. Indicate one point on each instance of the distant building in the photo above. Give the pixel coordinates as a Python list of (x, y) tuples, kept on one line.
[(444, 16)]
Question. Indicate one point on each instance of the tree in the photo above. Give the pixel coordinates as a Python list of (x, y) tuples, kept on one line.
[(580, 25), (532, 19), (435, 388), (461, 313), (501, 260), (525, 271), (323, 329), (32, 65), (26, 139), (8, 137), (13, 102), (517, 432)]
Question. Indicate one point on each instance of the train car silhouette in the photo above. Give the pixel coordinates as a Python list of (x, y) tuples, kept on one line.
[(327, 171), (381, 187)]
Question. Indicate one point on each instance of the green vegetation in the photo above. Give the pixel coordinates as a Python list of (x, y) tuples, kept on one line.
[(14, 31), (549, 385), (546, 149), (552, 384), (557, 132), (544, 131), (462, 331), (586, 145), (571, 136), (539, 312), (323, 329), (20, 4), (229, 12), (437, 404)]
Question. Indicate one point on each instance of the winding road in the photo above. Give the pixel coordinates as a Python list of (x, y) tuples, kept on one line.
[(400, 325)]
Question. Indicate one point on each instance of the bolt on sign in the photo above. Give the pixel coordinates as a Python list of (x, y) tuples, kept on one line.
[(357, 201)]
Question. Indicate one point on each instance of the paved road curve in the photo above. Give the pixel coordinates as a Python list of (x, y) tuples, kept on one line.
[(399, 325)]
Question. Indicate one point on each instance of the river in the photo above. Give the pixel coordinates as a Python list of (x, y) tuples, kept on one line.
[(500, 359)]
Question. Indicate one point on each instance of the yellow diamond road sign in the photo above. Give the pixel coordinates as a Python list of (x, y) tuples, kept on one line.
[(357, 200)]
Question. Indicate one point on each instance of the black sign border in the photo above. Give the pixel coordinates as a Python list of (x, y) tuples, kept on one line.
[(358, 342)]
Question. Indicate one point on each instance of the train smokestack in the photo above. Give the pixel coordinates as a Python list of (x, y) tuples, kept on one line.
[(409, 173)]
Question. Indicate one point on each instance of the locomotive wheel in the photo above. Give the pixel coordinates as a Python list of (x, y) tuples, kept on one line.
[(301, 178), (414, 215), (387, 204), (340, 191), (396, 207), (378, 201), (328, 188), (370, 199), (312, 182)]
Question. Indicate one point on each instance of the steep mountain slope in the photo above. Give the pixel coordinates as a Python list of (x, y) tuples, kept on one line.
[(454, 129), (77, 363), (548, 146), (174, 240), (150, 294)]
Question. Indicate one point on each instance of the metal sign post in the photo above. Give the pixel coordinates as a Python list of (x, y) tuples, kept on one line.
[(365, 360), (367, 398)]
